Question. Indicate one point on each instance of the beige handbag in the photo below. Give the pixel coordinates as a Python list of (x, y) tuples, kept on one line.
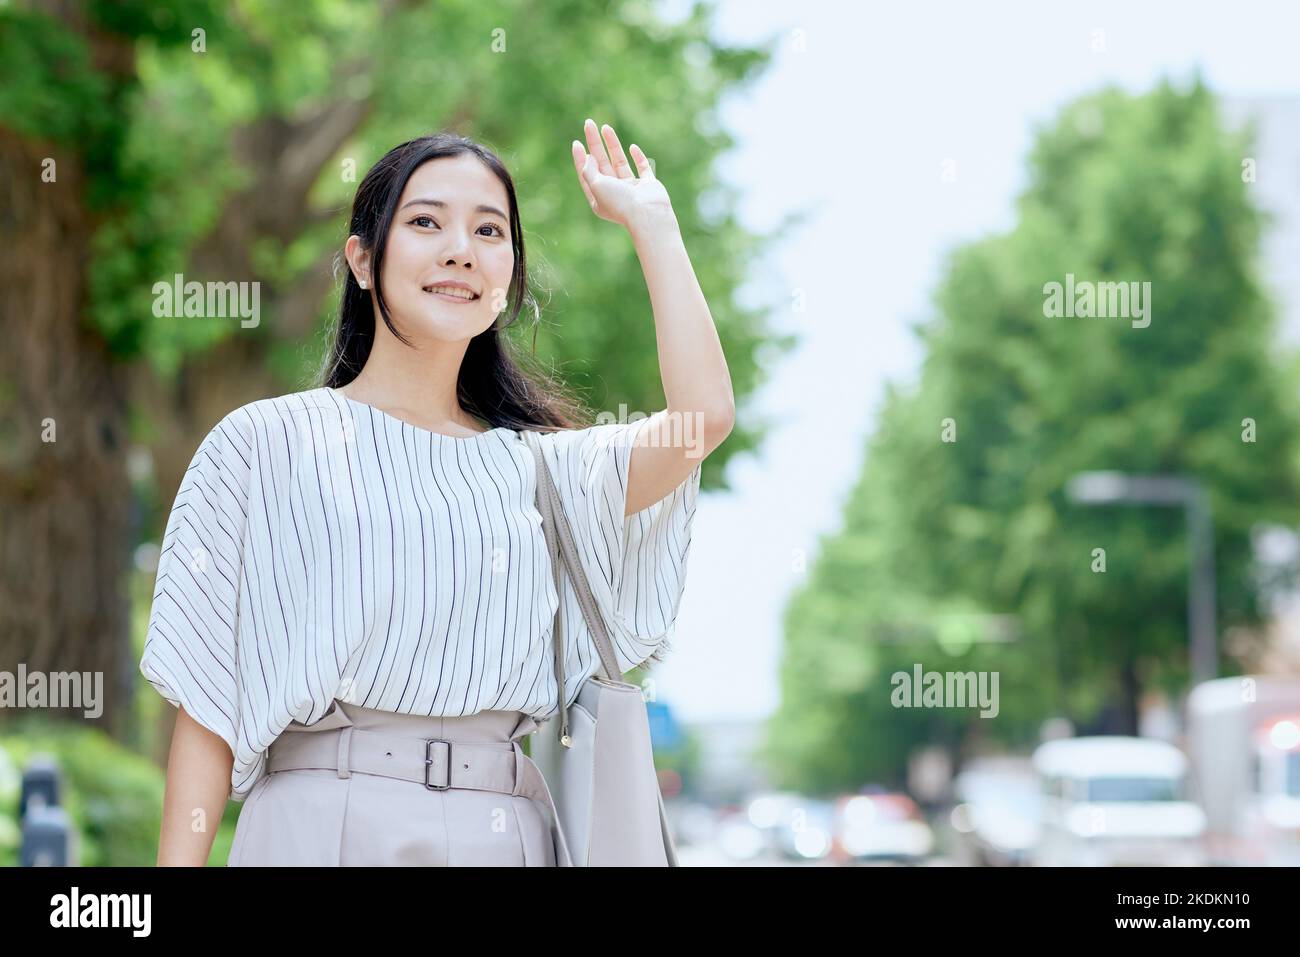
[(604, 783)]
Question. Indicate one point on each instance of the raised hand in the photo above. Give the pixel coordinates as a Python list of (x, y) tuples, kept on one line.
[(614, 192)]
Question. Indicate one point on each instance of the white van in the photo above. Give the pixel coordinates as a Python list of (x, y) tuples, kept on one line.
[(1243, 736), (1112, 801)]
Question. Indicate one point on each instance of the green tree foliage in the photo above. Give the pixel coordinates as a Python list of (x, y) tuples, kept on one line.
[(257, 144), (937, 533), (56, 88)]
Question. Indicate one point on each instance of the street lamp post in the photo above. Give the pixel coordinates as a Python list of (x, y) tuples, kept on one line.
[(1119, 488)]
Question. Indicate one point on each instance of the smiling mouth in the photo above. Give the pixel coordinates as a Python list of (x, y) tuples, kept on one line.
[(459, 295)]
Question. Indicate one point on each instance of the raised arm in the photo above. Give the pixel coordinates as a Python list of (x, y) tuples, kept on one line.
[(697, 384)]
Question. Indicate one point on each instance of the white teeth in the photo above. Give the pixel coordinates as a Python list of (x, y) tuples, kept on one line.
[(448, 291)]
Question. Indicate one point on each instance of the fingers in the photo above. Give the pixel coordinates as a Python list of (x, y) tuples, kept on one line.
[(622, 168), (601, 139), (642, 162), (596, 148), (579, 160)]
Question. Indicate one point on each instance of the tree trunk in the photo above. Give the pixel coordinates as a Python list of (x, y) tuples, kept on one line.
[(64, 528)]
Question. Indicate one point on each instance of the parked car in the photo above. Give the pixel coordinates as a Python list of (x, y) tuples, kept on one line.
[(881, 827), (999, 811), (737, 838), (1113, 800), (806, 834), (795, 826)]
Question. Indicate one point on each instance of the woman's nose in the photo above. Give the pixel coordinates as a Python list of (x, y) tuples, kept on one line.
[(458, 248)]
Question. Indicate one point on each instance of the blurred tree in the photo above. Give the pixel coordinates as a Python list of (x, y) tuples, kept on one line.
[(71, 187), (225, 143), (1122, 188)]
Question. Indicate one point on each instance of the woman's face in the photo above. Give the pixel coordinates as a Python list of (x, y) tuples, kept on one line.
[(452, 225)]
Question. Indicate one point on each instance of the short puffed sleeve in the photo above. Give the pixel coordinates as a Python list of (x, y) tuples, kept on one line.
[(191, 647), (636, 565)]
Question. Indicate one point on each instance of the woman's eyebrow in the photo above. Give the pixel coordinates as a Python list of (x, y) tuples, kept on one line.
[(441, 205)]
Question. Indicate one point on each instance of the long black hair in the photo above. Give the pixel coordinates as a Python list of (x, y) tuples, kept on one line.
[(493, 384)]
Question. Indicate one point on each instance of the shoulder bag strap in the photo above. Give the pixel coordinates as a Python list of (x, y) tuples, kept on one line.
[(564, 555)]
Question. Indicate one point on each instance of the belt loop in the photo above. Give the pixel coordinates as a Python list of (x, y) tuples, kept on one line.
[(345, 745), (526, 726), (520, 758)]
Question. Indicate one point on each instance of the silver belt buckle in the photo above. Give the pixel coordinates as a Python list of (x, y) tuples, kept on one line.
[(428, 763)]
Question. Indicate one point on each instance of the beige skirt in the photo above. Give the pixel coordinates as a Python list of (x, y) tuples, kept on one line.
[(346, 797)]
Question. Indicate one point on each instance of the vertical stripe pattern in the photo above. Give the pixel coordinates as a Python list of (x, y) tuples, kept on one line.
[(319, 548)]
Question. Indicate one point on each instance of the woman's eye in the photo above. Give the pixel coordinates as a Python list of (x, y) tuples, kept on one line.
[(428, 221)]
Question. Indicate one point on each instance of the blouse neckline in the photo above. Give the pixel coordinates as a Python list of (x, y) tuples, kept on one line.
[(440, 436)]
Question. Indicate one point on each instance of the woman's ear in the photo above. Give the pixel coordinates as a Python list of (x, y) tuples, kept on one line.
[(358, 260)]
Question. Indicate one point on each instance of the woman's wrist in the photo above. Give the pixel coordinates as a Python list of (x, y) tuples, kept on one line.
[(653, 220)]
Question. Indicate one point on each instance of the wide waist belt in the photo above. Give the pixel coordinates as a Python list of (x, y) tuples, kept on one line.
[(436, 763)]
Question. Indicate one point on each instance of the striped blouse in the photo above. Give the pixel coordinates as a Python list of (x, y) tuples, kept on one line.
[(319, 548)]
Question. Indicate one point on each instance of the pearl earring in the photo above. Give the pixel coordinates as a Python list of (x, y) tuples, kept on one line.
[(363, 284)]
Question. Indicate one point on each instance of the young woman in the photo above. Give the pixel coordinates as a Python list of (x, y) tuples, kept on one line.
[(354, 605)]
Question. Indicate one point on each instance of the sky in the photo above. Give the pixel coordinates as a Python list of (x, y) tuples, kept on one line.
[(861, 112)]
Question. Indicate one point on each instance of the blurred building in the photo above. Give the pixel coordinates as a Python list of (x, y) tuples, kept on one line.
[(1277, 189), (727, 770), (1276, 156)]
